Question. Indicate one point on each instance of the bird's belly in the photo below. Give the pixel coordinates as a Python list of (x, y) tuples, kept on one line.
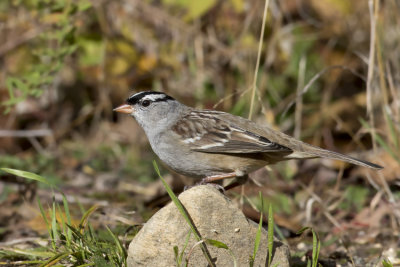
[(198, 164)]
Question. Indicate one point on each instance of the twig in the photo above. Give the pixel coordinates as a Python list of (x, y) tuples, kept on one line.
[(35, 143), (370, 76), (299, 100), (19, 241), (316, 198), (74, 199), (26, 133), (253, 95), (316, 77)]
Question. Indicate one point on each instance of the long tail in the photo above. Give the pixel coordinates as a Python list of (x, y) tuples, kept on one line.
[(313, 151), (338, 156)]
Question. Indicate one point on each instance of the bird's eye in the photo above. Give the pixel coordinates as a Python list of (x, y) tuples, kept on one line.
[(146, 103)]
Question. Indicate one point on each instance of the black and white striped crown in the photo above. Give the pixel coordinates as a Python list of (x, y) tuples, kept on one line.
[(148, 95)]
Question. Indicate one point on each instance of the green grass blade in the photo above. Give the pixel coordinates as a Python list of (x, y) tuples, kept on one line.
[(44, 216), (76, 233), (258, 237), (387, 263), (91, 233), (185, 246), (219, 244), (316, 248), (216, 243), (121, 249), (176, 254), (28, 175), (68, 235), (86, 215), (31, 253), (270, 234), (302, 230), (182, 210), (278, 232), (63, 225), (55, 259), (259, 232)]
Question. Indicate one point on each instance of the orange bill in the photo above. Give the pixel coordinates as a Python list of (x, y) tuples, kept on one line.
[(128, 109)]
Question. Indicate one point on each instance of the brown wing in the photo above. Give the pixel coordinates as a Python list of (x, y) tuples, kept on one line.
[(205, 132)]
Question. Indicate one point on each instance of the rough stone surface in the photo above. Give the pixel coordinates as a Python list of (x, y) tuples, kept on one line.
[(215, 217)]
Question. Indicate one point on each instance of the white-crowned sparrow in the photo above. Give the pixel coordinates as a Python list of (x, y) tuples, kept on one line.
[(215, 145)]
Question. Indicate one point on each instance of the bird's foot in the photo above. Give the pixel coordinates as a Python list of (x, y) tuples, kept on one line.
[(217, 186), (218, 177)]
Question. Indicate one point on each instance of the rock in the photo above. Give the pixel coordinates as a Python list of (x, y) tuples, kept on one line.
[(215, 217)]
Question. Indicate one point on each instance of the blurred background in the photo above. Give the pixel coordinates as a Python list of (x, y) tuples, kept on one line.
[(329, 75)]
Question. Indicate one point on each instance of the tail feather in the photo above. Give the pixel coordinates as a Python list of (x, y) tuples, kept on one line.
[(359, 162), (313, 152)]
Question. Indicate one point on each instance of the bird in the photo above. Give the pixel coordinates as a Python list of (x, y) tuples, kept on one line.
[(215, 145)]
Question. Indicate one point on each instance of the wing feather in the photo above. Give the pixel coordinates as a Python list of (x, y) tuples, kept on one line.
[(205, 132)]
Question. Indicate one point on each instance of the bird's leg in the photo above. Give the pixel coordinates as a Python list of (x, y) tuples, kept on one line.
[(214, 178), (240, 180)]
